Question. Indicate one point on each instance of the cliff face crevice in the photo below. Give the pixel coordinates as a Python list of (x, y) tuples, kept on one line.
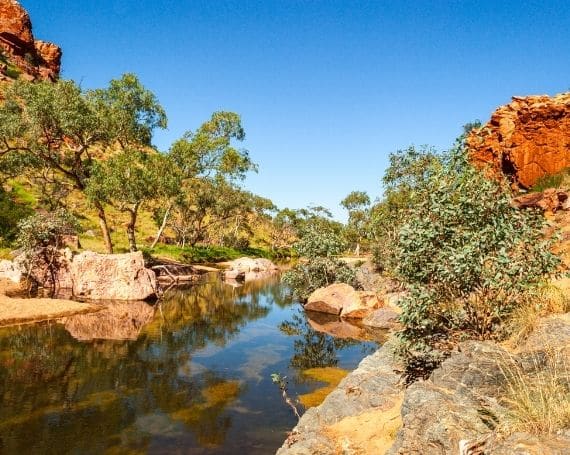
[(525, 139), (20, 54)]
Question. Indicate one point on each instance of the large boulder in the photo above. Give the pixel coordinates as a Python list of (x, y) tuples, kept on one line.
[(365, 304), (332, 299), (112, 277), (382, 318), (249, 269), (342, 299), (526, 139)]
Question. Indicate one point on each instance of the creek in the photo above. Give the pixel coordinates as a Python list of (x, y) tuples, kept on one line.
[(191, 374)]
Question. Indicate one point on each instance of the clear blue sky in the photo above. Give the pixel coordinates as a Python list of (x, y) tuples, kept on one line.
[(326, 89)]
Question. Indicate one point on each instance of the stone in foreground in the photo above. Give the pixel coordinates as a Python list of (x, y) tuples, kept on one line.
[(332, 299), (112, 277), (342, 299)]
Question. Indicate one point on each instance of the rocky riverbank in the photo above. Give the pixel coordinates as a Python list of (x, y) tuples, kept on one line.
[(467, 405)]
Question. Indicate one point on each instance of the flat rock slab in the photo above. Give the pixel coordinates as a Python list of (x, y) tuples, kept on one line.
[(20, 311)]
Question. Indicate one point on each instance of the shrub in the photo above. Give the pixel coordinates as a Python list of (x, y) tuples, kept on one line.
[(552, 181), (466, 257), (10, 214), (318, 246), (316, 273), (40, 238)]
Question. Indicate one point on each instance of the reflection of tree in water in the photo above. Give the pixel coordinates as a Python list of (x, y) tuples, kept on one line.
[(53, 386), (313, 349)]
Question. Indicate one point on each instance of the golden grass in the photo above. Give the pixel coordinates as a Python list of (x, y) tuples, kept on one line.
[(548, 299), (538, 401)]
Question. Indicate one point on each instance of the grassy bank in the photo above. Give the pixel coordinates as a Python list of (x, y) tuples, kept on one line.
[(211, 254)]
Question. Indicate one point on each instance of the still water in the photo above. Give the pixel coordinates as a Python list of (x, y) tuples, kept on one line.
[(191, 375)]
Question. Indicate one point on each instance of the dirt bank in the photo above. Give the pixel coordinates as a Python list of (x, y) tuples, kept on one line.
[(20, 311)]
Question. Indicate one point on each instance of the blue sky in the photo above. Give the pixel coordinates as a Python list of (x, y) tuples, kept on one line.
[(326, 89)]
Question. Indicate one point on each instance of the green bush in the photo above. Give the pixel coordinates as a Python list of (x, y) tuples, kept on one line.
[(10, 215), (316, 273), (318, 246), (40, 238), (466, 257)]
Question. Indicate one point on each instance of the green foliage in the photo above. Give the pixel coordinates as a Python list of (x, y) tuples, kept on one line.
[(357, 204), (320, 268), (307, 277), (318, 243), (129, 179), (11, 213), (209, 150), (211, 254), (44, 230), (57, 131), (404, 179), (466, 257), (552, 181), (40, 237)]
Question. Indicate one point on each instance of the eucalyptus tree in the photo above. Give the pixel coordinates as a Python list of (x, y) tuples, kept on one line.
[(130, 179), (207, 153), (357, 203), (59, 131)]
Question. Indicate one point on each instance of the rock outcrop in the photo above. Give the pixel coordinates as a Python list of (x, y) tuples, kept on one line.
[(20, 52), (112, 277), (526, 139), (460, 407), (10, 271), (343, 300), (351, 418)]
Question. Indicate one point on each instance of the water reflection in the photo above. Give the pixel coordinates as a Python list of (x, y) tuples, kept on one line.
[(116, 321), (313, 349), (191, 372)]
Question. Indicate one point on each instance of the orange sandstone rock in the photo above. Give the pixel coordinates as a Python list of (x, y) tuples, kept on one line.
[(526, 139), (33, 58)]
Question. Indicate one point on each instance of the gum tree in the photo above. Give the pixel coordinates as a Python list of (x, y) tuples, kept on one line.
[(60, 131)]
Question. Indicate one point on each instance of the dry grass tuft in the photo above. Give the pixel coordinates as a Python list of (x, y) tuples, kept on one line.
[(548, 299), (538, 396)]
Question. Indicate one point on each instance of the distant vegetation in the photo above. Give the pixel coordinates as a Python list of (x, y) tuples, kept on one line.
[(90, 154)]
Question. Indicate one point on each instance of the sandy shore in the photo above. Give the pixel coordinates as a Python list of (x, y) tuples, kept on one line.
[(19, 311)]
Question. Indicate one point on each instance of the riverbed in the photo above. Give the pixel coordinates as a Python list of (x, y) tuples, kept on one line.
[(191, 374)]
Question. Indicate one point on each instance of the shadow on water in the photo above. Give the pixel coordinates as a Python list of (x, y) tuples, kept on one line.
[(189, 374)]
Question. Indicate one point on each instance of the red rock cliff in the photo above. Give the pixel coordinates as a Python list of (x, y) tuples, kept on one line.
[(526, 139), (20, 52)]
